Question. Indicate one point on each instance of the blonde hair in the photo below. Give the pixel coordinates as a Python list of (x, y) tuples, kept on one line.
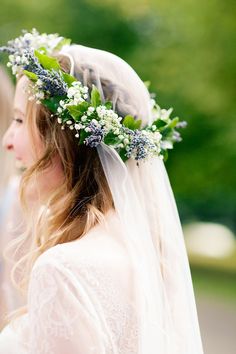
[(71, 210), (84, 197)]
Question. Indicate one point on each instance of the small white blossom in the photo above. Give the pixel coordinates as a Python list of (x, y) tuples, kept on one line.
[(77, 126), (154, 128)]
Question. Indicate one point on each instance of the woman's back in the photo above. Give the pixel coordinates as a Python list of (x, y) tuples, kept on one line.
[(81, 298)]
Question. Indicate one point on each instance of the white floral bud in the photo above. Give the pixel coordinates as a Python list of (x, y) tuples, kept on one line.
[(69, 122), (77, 135), (77, 126), (83, 118), (154, 128), (39, 82)]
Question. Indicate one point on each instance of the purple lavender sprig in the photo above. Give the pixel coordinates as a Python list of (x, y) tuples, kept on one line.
[(49, 81), (140, 145), (96, 135)]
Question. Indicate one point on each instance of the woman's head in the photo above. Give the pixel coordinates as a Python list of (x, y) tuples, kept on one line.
[(67, 178), (36, 137)]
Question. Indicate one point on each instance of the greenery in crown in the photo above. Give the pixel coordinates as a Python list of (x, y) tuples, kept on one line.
[(75, 107)]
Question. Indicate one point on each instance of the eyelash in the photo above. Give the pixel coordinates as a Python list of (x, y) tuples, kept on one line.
[(18, 120)]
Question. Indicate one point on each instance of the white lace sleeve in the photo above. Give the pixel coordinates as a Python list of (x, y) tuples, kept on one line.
[(62, 318)]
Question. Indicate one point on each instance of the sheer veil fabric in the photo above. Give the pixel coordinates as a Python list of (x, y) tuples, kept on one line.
[(150, 227), (125, 287)]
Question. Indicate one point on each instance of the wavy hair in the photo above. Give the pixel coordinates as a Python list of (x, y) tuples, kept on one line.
[(84, 197), (65, 213)]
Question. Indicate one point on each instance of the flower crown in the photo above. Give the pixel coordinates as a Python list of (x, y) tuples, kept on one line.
[(75, 108)]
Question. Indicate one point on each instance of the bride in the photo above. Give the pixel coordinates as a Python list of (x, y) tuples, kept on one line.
[(102, 261)]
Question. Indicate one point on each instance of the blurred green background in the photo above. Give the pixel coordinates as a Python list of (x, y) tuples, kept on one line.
[(187, 49)]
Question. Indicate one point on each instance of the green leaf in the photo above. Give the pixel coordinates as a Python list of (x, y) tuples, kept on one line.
[(43, 50), (173, 123), (108, 105), (77, 111), (95, 97), (111, 139), (63, 41), (159, 123), (138, 123), (166, 131), (30, 75), (165, 155), (68, 78), (52, 103), (122, 152), (47, 62), (131, 123), (147, 84), (82, 136)]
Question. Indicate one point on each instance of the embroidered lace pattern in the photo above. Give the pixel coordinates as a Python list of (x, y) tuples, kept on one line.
[(64, 295)]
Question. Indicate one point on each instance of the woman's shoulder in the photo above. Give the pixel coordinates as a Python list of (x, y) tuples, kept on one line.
[(95, 249)]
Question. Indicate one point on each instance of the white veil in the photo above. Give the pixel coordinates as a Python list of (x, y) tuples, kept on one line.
[(149, 221)]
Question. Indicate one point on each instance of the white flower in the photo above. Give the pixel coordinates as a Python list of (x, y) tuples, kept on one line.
[(39, 95), (83, 118), (77, 126), (69, 122), (59, 110), (154, 128), (165, 114), (77, 135), (18, 59), (59, 120), (166, 144), (39, 82)]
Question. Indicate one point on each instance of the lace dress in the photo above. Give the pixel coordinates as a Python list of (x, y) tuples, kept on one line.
[(81, 300)]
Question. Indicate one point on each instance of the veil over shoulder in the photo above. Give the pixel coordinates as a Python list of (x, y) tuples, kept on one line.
[(150, 226)]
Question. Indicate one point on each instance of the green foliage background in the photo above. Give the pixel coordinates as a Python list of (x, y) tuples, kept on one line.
[(187, 49)]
